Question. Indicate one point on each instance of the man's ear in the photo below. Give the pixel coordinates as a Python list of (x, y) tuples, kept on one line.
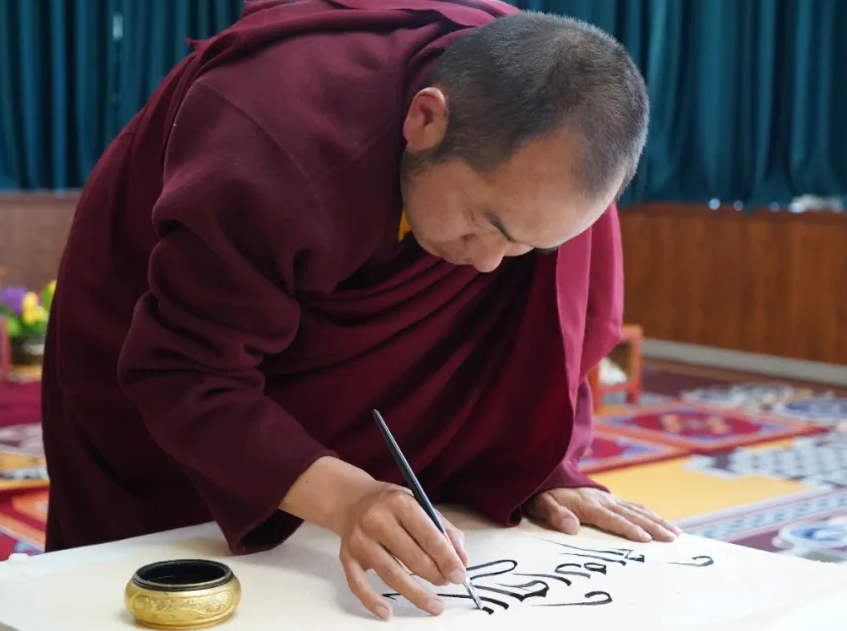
[(426, 120)]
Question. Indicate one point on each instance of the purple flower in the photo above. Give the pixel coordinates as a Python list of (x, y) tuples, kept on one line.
[(13, 298)]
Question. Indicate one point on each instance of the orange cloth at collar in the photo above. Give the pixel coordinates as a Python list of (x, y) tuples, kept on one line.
[(404, 227)]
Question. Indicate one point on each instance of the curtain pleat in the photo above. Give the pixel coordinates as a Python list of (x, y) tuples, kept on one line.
[(747, 95)]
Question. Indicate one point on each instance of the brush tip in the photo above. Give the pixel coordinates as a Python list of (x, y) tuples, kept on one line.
[(472, 593)]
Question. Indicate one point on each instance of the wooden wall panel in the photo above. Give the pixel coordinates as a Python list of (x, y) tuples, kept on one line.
[(773, 283), (33, 230)]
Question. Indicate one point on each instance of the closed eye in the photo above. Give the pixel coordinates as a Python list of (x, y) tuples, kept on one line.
[(495, 221)]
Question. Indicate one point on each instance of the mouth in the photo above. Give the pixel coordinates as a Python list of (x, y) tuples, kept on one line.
[(441, 254), (451, 260)]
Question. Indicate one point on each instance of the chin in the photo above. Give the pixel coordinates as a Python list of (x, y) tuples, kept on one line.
[(430, 249), (450, 259)]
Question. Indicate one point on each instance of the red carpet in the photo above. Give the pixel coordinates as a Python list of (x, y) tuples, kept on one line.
[(685, 414), (21, 451), (23, 475), (615, 451), (19, 403), (649, 431), (23, 518), (681, 416)]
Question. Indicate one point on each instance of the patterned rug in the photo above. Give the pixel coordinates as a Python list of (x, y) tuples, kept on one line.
[(758, 464), (649, 433), (615, 451), (22, 465), (23, 519), (23, 473)]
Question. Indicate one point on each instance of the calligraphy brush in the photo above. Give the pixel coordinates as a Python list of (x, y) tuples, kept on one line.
[(418, 491)]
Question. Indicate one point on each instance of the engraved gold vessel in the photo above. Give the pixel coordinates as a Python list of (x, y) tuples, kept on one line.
[(182, 594)]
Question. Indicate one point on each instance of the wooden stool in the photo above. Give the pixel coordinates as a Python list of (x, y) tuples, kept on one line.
[(627, 354), (5, 351)]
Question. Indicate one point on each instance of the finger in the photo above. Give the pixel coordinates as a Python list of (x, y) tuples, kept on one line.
[(535, 506), (558, 516), (610, 521), (458, 541), (397, 578), (656, 530), (440, 548), (644, 510), (400, 544), (357, 580)]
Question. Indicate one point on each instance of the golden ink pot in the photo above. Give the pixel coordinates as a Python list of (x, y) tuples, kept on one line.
[(182, 594)]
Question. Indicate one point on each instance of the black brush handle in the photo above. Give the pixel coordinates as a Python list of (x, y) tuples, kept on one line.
[(408, 474)]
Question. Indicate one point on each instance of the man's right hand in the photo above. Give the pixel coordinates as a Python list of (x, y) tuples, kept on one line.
[(382, 528), (385, 525)]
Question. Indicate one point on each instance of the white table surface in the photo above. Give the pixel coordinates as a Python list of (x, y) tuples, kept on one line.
[(299, 585)]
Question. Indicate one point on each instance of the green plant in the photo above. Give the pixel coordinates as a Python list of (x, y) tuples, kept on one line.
[(26, 311)]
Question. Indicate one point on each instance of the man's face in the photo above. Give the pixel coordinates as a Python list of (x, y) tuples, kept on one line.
[(469, 218)]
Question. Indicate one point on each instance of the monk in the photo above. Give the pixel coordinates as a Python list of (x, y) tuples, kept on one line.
[(335, 206)]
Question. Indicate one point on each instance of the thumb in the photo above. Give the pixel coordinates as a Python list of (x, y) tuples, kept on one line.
[(557, 516)]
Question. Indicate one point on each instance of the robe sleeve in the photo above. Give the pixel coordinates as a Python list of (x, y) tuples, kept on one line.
[(603, 332), (567, 474), (231, 219)]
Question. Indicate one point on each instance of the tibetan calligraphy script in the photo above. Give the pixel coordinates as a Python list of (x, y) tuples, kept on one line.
[(555, 574)]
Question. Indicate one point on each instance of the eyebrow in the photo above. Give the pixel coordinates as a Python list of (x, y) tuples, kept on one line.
[(497, 223)]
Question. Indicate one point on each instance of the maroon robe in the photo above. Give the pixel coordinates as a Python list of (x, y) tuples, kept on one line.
[(233, 300)]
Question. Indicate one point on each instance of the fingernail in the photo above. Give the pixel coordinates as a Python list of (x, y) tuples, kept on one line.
[(383, 611), (645, 535), (567, 525), (456, 577), (670, 534), (435, 606)]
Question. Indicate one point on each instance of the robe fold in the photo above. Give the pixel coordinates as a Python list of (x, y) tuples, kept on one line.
[(233, 299)]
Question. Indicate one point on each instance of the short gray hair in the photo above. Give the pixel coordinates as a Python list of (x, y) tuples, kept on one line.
[(527, 74)]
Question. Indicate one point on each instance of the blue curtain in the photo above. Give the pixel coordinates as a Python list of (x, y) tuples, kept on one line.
[(154, 39), (746, 93), (57, 73), (73, 72)]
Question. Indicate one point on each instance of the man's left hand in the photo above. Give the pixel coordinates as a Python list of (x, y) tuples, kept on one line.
[(566, 509)]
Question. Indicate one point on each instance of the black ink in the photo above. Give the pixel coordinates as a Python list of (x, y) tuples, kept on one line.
[(540, 590), (595, 567), (613, 551), (484, 599), (607, 556), (606, 598), (518, 592), (632, 555), (559, 570), (699, 561), (595, 556), (472, 571), (561, 579), (626, 554)]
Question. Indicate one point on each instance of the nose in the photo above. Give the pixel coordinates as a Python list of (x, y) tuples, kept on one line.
[(487, 258)]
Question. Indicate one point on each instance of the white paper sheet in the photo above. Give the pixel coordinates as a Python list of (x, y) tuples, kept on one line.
[(526, 576)]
